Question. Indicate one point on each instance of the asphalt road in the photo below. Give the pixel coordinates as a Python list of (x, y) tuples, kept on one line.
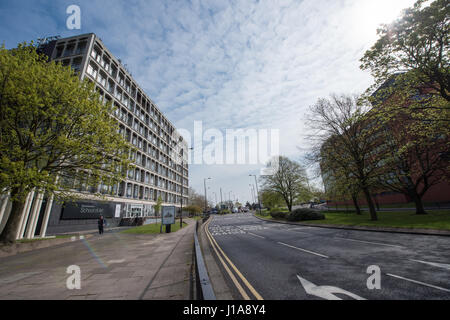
[(288, 262)]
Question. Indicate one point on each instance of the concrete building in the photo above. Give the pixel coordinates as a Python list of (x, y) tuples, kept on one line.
[(161, 160)]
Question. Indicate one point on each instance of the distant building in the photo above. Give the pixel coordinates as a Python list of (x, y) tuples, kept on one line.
[(161, 160), (439, 193)]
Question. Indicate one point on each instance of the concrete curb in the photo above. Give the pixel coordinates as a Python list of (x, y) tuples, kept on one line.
[(431, 232), (220, 287)]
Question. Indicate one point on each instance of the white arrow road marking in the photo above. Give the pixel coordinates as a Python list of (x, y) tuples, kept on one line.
[(304, 250), (325, 292), (377, 243), (418, 282), (434, 264)]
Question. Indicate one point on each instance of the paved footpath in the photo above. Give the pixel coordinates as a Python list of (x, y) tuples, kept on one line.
[(113, 266)]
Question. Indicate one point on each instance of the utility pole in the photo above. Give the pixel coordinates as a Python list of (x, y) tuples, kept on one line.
[(252, 190), (257, 192), (182, 178), (206, 198)]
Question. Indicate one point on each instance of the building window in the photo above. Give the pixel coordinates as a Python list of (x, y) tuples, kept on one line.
[(76, 64), (81, 47), (92, 70), (59, 51), (69, 50)]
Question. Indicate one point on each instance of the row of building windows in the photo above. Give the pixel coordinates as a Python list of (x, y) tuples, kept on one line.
[(133, 122), (127, 85), (144, 127), (127, 189)]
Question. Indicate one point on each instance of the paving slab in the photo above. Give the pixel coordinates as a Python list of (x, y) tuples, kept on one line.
[(113, 266)]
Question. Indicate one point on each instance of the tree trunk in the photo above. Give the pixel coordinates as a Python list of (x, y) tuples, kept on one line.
[(376, 202), (355, 202), (373, 212), (419, 204), (9, 233)]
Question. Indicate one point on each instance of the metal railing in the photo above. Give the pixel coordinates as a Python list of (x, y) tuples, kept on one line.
[(203, 284)]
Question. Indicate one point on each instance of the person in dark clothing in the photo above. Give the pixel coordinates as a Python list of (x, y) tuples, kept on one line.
[(101, 223)]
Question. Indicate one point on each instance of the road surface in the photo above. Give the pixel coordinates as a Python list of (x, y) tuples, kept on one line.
[(288, 262)]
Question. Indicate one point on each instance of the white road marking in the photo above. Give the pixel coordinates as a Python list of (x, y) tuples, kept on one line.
[(256, 235), (325, 292), (377, 243), (295, 230), (418, 282), (434, 264), (116, 261), (315, 253)]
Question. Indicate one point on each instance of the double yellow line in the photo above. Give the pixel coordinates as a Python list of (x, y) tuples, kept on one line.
[(221, 255)]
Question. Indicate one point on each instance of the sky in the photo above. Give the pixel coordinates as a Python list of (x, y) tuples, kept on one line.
[(252, 65)]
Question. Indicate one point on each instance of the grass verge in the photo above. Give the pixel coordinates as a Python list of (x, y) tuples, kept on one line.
[(436, 219), (153, 228)]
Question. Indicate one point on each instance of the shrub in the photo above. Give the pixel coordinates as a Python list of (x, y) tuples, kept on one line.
[(277, 214), (305, 214), (193, 210)]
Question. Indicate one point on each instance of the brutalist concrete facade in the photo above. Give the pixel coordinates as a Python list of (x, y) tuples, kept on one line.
[(161, 159)]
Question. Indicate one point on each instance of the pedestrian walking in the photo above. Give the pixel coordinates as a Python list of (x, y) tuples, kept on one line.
[(101, 223)]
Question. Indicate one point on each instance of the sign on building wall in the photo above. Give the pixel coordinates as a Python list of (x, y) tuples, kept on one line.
[(117, 213), (168, 215), (87, 210)]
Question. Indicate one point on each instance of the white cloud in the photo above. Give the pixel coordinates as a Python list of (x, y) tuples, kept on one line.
[(238, 64)]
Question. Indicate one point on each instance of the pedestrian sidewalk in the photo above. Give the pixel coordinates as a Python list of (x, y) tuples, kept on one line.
[(112, 266)]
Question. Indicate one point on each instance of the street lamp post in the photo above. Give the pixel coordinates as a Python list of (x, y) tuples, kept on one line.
[(206, 199), (257, 192), (215, 197), (182, 178), (252, 193)]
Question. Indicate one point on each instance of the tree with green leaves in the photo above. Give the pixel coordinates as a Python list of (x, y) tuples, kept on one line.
[(287, 180), (413, 156), (55, 133), (416, 46), (345, 142), (339, 182), (271, 199), (411, 103), (194, 210)]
